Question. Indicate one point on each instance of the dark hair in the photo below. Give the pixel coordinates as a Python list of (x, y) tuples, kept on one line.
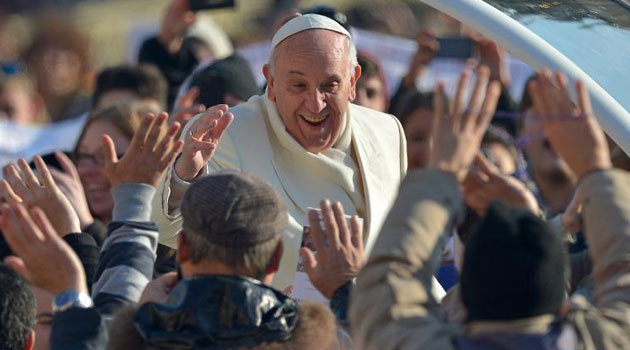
[(369, 67), (498, 134), (144, 80), (413, 101), (229, 75), (526, 99), (17, 309)]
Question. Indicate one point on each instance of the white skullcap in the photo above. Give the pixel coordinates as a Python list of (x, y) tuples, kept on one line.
[(306, 22)]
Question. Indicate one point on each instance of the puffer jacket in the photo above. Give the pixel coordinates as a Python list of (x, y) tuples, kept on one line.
[(224, 312)]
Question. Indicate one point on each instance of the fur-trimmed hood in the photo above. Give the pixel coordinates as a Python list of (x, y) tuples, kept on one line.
[(230, 313)]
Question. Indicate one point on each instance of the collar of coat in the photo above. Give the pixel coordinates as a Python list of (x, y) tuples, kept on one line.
[(218, 312), (531, 325)]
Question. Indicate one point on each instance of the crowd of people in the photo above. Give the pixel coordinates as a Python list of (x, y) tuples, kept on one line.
[(316, 212)]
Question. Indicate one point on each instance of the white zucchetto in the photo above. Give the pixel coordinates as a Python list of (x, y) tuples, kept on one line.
[(306, 22)]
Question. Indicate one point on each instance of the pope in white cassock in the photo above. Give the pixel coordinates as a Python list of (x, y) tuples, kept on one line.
[(304, 137)]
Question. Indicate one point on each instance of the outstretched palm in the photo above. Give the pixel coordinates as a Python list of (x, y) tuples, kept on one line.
[(26, 188), (202, 140), (148, 156)]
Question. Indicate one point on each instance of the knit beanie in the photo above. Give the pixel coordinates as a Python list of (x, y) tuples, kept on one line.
[(233, 209), (513, 267)]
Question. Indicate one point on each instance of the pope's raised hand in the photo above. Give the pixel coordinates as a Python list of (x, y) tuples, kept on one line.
[(201, 140), (148, 156)]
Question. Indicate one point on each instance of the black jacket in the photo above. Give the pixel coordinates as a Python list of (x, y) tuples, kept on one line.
[(83, 245), (175, 68), (78, 329)]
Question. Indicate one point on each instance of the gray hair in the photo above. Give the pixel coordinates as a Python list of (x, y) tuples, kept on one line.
[(351, 49), (253, 259)]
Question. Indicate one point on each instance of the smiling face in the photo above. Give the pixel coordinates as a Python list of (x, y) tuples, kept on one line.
[(312, 86), (91, 169)]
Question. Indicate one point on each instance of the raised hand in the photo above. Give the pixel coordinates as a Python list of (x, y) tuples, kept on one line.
[(157, 291), (148, 155), (496, 58), (43, 258), (456, 135), (485, 183), (70, 184), (176, 20), (201, 141), (339, 249), (572, 130), (24, 187), (428, 47), (187, 108)]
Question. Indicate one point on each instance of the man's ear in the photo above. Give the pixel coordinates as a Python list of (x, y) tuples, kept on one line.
[(182, 249), (275, 259), (270, 82), (353, 83), (30, 341)]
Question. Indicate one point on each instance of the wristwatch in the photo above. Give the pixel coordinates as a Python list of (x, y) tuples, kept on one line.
[(70, 298)]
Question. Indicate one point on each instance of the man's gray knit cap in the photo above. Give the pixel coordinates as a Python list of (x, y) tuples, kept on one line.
[(234, 209)]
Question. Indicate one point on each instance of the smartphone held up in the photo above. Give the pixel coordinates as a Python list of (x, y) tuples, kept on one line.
[(201, 5), (456, 47)]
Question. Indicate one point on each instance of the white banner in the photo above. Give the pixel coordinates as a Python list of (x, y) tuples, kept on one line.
[(21, 141), (394, 54)]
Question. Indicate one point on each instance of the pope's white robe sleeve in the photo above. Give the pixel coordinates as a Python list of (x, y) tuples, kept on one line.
[(170, 222)]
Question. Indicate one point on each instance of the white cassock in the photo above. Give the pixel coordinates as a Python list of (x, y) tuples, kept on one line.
[(362, 171)]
